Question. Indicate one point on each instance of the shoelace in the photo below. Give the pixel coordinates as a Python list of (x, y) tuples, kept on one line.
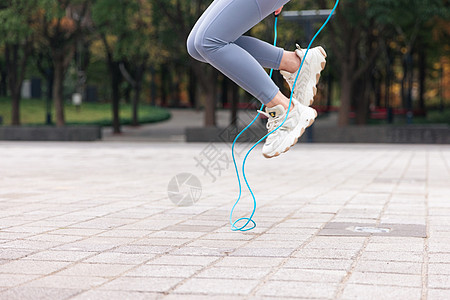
[(272, 122)]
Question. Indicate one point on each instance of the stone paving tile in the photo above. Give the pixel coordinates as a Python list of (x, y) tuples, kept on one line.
[(439, 281), (11, 254), (217, 286), (119, 258), (142, 249), (116, 295), (439, 268), (32, 267), (314, 263), (326, 253), (55, 238), (99, 270), (234, 273), (128, 239), (202, 297), (308, 275), (265, 252), (53, 255), (28, 244), (438, 294), (78, 231), (386, 279), (216, 243), (141, 284), (203, 251), (393, 256), (376, 292), (249, 262), (410, 247), (163, 271), (68, 282), (10, 280), (35, 293), (179, 260), (299, 289), (389, 267)]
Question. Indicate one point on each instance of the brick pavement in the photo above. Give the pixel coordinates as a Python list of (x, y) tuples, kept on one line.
[(93, 221)]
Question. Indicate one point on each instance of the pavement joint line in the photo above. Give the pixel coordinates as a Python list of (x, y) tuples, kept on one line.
[(66, 227), (228, 254), (153, 258), (80, 260), (248, 242), (426, 259), (344, 282), (353, 187), (60, 215), (307, 241)]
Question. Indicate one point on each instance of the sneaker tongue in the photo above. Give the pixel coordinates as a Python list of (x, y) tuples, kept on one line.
[(275, 111)]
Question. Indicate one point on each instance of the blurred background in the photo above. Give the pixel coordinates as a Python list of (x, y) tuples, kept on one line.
[(117, 62)]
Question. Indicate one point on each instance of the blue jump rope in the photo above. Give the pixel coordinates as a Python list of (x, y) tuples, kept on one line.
[(250, 219)]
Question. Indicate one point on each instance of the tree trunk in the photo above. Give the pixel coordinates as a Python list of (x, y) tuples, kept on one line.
[(61, 59), (135, 117), (11, 56), (163, 85), (58, 100), (346, 96), (153, 86), (224, 92), (210, 102), (137, 93), (115, 82), (234, 103), (3, 85), (362, 102), (192, 88), (422, 79), (207, 79), (16, 66)]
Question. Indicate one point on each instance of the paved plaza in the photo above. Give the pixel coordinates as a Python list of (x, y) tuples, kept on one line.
[(94, 221)]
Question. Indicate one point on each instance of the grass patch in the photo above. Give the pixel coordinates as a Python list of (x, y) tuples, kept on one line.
[(33, 112), (437, 116)]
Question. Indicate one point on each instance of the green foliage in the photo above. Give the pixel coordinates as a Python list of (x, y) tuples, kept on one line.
[(15, 20), (409, 20), (125, 24)]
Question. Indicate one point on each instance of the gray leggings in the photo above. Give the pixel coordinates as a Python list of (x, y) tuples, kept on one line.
[(217, 39)]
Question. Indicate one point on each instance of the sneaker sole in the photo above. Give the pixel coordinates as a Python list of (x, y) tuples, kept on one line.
[(302, 131)]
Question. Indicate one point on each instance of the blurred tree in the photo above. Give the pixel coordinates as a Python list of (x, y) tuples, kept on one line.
[(60, 25), (174, 20), (411, 23), (124, 27), (355, 48), (16, 18), (3, 73), (138, 49)]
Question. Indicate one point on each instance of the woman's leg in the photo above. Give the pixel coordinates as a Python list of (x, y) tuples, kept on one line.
[(224, 23), (266, 54)]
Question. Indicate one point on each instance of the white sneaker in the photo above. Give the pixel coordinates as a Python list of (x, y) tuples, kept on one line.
[(315, 62), (300, 118)]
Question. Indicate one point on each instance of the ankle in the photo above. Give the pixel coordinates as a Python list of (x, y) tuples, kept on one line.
[(280, 99), (290, 62)]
